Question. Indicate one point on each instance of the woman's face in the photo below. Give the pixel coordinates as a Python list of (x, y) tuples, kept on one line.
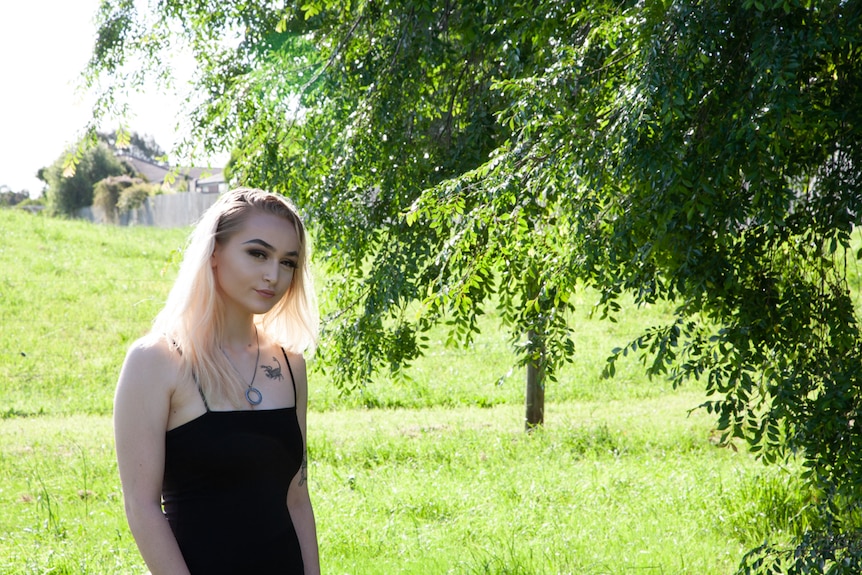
[(254, 267)]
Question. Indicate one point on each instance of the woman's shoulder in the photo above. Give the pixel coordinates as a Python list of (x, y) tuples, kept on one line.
[(274, 344), (297, 361), (153, 346), (153, 353), (148, 379)]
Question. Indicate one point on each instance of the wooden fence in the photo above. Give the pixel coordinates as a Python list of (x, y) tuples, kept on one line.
[(164, 211)]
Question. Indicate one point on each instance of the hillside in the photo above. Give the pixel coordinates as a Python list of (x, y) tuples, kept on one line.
[(73, 295)]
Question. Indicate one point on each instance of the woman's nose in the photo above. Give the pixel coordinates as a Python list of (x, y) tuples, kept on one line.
[(270, 273)]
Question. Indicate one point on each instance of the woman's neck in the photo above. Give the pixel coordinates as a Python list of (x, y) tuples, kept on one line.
[(238, 333)]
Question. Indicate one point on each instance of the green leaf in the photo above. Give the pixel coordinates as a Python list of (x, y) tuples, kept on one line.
[(311, 9)]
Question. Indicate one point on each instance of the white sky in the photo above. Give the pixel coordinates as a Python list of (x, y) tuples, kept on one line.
[(44, 47)]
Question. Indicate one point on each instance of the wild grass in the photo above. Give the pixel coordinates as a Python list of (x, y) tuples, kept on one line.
[(430, 474)]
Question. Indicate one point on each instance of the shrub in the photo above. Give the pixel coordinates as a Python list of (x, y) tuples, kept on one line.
[(107, 192), (133, 197)]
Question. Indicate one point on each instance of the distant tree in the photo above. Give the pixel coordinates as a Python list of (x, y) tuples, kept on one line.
[(70, 190), (9, 198), (140, 146)]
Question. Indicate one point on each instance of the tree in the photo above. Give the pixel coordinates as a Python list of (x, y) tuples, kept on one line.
[(451, 130), (68, 191), (454, 154), (140, 146), (9, 198)]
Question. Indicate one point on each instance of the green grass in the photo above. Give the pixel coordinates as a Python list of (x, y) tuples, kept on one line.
[(462, 490), (74, 296), (431, 474)]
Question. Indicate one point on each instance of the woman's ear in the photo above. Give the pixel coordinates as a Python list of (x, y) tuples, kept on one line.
[(214, 257)]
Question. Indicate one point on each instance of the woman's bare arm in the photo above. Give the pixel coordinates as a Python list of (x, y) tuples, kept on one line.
[(298, 499), (141, 407)]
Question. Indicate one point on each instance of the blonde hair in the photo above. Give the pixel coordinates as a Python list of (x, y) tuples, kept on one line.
[(193, 316)]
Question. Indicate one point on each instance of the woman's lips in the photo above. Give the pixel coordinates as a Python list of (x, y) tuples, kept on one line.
[(265, 293)]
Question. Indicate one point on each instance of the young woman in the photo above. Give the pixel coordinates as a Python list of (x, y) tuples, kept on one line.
[(210, 407)]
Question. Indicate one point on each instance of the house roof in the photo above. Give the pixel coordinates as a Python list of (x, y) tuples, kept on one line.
[(156, 173), (216, 178), (150, 171)]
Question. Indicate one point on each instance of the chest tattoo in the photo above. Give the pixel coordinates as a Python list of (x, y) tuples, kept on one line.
[(273, 372)]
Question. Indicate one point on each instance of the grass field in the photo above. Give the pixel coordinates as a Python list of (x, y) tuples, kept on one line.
[(428, 475)]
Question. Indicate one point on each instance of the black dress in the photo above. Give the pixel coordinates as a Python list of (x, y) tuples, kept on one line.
[(225, 490)]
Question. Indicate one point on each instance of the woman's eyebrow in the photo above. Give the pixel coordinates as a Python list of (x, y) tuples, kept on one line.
[(268, 246), (260, 243)]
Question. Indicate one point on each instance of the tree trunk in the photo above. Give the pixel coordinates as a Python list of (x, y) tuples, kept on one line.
[(535, 394)]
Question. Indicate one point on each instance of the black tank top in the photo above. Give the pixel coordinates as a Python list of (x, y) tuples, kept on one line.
[(225, 490)]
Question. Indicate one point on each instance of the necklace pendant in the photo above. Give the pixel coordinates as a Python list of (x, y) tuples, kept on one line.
[(253, 395)]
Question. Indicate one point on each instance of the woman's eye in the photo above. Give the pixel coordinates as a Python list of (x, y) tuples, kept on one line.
[(289, 263), (257, 254)]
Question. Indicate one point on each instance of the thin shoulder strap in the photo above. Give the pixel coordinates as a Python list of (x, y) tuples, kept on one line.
[(293, 381), (194, 375), (201, 391)]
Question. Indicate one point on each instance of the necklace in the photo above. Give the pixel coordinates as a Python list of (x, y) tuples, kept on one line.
[(252, 394)]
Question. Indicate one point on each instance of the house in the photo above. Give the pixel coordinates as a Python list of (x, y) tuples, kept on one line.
[(214, 184), (199, 180)]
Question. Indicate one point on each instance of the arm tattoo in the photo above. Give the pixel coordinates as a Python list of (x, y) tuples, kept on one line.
[(303, 470)]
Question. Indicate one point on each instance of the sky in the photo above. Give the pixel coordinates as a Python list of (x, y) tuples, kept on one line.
[(45, 46)]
